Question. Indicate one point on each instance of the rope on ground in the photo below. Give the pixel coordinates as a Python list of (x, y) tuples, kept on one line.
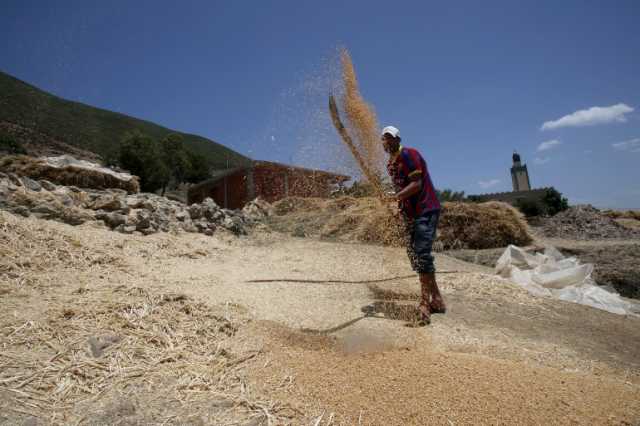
[(299, 280)]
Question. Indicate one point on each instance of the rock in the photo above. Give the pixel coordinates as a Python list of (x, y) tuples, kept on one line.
[(112, 219), (257, 209), (15, 179), (117, 192), (299, 232), (208, 202), (48, 185), (128, 229), (20, 210), (148, 231), (234, 225), (585, 222), (189, 227), (98, 344), (31, 184), (75, 217), (208, 231), (64, 199), (45, 211), (74, 189), (108, 203), (182, 215), (134, 202), (144, 219)]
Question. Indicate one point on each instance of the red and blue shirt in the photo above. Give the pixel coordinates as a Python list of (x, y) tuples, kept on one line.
[(405, 166)]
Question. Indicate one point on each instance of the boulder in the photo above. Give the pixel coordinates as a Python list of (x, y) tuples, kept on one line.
[(15, 179), (48, 185), (112, 219), (234, 225), (134, 202), (143, 219), (31, 184), (62, 194), (182, 215), (108, 203), (20, 210), (45, 211)]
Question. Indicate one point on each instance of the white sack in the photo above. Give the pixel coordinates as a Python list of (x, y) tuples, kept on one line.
[(552, 275)]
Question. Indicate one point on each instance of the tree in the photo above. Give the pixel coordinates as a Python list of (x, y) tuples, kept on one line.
[(176, 158), (141, 156), (554, 202), (11, 146), (198, 168)]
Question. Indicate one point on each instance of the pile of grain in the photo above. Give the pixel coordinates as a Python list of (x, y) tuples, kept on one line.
[(462, 225), (585, 222)]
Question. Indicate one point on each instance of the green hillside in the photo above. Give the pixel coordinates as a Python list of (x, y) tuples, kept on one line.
[(92, 129)]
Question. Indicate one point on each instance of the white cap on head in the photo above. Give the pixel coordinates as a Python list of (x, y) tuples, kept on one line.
[(393, 131)]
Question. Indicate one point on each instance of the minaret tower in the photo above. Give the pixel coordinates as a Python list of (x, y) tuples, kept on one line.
[(519, 175)]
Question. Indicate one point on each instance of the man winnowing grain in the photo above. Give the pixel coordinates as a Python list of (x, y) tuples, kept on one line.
[(420, 208)]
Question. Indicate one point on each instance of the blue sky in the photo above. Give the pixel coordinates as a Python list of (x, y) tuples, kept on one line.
[(466, 82)]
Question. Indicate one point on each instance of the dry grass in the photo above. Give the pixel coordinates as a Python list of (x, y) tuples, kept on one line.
[(480, 226), (70, 176), (628, 214)]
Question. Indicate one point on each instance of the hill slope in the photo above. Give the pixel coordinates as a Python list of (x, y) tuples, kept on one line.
[(89, 128)]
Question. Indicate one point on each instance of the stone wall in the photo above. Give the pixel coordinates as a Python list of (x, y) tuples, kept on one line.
[(512, 197)]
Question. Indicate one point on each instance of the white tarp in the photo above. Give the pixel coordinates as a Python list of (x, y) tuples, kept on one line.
[(552, 275), (67, 160)]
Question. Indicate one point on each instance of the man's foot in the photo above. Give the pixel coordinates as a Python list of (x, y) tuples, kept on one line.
[(437, 306), (425, 313)]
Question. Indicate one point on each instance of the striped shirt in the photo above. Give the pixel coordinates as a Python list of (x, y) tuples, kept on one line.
[(405, 166)]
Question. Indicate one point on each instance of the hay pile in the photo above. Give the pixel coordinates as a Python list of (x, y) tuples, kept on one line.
[(462, 225), (67, 171), (482, 226)]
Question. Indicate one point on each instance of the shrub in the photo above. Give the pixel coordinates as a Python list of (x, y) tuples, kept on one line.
[(530, 208), (11, 146), (554, 202), (140, 155)]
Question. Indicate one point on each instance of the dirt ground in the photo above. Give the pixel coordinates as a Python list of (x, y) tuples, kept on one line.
[(221, 330)]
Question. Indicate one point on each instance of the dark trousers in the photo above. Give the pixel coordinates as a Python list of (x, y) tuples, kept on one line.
[(421, 233)]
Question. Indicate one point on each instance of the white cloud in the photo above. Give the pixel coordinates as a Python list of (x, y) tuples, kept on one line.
[(539, 160), (590, 117), (632, 145), (485, 184), (544, 146), (273, 138), (588, 151)]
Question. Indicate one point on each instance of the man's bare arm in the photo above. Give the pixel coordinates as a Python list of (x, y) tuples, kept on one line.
[(413, 188)]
